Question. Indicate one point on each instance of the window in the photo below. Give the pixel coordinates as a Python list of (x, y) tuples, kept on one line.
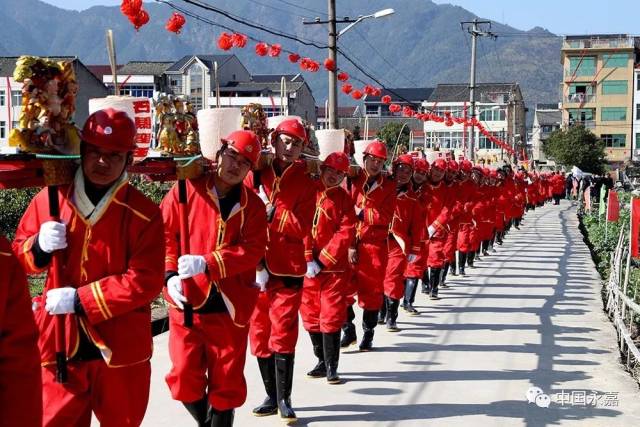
[(614, 87), (16, 98), (637, 141), (196, 86), (15, 124), (492, 114), (637, 111), (445, 139), (373, 110), (176, 84), (614, 140), (581, 115), (615, 60), (613, 114), (145, 91), (484, 143), (453, 110), (2, 100), (582, 66), (3, 130)]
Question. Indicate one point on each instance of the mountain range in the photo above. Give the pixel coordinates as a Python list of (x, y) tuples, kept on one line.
[(420, 45)]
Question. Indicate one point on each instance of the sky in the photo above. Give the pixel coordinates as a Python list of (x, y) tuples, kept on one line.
[(558, 16)]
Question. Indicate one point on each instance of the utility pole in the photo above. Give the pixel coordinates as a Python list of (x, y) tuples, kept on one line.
[(333, 77), (475, 31)]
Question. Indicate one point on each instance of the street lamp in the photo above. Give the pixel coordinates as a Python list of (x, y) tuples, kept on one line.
[(379, 14), (333, 51)]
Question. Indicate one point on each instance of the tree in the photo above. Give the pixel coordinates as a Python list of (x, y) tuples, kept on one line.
[(577, 146), (389, 134)]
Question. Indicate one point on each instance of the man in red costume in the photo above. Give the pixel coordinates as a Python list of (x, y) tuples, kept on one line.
[(284, 187), (111, 240), (404, 242), (20, 379), (324, 296), (374, 196), (416, 268), (467, 197), (454, 185), (227, 239)]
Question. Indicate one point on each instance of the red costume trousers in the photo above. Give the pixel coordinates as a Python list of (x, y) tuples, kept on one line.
[(437, 250), (207, 358), (324, 302), (368, 275), (465, 241), (416, 268), (451, 245), (118, 396), (394, 276), (274, 323)]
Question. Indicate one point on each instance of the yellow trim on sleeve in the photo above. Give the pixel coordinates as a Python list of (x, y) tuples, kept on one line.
[(328, 256), (220, 261), (99, 297)]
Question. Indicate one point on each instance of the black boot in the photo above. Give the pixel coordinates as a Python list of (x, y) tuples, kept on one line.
[(485, 248), (331, 344), (268, 372), (382, 313), (221, 418), (425, 282), (320, 370), (517, 223), (463, 263), (284, 384), (410, 285), (435, 279), (198, 410), (443, 275), (470, 257), (369, 322), (349, 336), (392, 314), (499, 237), (454, 266)]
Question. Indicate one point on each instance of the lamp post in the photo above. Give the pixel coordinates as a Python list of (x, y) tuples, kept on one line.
[(333, 51)]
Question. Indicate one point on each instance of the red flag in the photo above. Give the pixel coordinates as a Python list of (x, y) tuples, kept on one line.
[(613, 207), (635, 227)]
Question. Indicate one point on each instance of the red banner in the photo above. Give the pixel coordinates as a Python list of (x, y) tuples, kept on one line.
[(635, 227), (613, 207)]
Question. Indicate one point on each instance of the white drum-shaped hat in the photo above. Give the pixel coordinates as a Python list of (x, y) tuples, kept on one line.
[(273, 122), (359, 146), (215, 124), (329, 141)]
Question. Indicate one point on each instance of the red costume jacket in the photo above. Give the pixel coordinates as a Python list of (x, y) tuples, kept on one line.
[(292, 196), (407, 225), (116, 265), (378, 203), (231, 248)]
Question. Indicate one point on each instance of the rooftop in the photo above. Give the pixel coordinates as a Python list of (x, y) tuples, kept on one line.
[(459, 92), (400, 95), (207, 60), (549, 117), (146, 68)]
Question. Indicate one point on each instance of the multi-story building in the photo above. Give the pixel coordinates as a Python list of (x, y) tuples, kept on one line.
[(195, 76), (597, 88), (636, 113), (11, 93), (499, 107), (546, 119), (371, 114)]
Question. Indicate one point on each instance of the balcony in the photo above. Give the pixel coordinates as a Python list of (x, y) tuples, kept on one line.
[(588, 124), (600, 43), (579, 98)]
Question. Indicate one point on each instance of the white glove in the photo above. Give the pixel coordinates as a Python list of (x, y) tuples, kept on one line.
[(312, 269), (267, 203), (262, 277), (431, 230), (174, 289), (191, 265), (411, 257), (52, 236), (60, 300), (358, 210)]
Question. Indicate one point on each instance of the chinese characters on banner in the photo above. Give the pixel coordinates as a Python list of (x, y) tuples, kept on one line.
[(635, 227)]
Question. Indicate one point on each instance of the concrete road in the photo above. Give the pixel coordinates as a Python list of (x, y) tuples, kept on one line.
[(528, 315)]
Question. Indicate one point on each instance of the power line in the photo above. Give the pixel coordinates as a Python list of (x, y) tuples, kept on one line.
[(303, 8), (278, 9)]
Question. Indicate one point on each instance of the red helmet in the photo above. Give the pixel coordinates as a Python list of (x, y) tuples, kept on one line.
[(376, 148), (421, 165), (440, 163), (292, 128), (338, 161), (466, 165), (110, 129), (404, 159), (486, 172), (493, 173), (246, 143), (452, 165)]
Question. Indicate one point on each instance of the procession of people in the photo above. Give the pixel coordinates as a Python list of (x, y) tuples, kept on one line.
[(267, 243)]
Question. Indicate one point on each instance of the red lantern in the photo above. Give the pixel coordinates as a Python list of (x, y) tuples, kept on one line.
[(408, 111), (294, 57), (330, 64), (175, 23), (346, 88), (308, 64), (377, 91), (225, 41), (386, 99), (238, 40), (140, 19), (262, 49), (275, 50), (369, 90), (342, 76), (131, 8), (395, 108), (356, 94)]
